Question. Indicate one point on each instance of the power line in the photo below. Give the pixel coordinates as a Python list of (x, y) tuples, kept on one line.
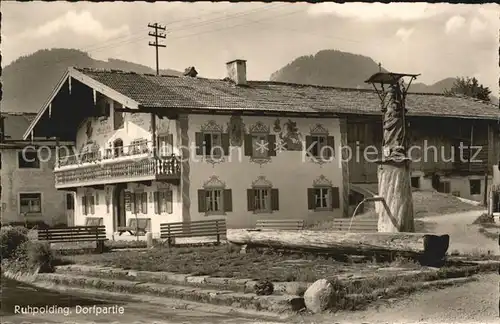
[(156, 45)]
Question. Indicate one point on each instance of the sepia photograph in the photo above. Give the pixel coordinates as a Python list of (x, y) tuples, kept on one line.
[(249, 162)]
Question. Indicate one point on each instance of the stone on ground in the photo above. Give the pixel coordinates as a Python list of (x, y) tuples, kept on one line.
[(318, 296)]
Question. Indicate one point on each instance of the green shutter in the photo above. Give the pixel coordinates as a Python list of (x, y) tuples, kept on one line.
[(144, 202), (309, 143), (311, 199), (275, 199), (225, 143), (335, 197), (228, 200), (199, 143), (201, 201), (84, 205), (169, 199), (271, 145), (248, 145), (330, 142), (92, 205), (156, 202), (250, 200)]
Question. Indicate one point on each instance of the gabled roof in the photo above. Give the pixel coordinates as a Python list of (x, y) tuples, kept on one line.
[(16, 124), (149, 91), (188, 92)]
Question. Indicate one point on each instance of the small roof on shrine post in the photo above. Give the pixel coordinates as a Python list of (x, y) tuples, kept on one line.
[(388, 77)]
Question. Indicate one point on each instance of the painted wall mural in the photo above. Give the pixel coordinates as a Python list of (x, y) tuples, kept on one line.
[(236, 130), (289, 134)]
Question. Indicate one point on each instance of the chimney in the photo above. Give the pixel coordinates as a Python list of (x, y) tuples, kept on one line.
[(237, 71)]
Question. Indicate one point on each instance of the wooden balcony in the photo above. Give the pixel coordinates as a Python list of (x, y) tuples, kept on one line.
[(99, 173)]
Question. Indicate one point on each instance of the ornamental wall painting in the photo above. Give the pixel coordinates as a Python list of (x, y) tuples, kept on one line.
[(236, 131), (289, 135)]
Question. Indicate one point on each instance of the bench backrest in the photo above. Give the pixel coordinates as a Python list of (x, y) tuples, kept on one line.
[(192, 229), (140, 223), (76, 233), (358, 225), (94, 221), (281, 224)]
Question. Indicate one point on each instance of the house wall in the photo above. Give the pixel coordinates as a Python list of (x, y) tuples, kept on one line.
[(287, 171), (136, 126), (102, 210), (15, 180)]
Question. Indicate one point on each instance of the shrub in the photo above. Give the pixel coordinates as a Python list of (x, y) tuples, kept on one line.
[(484, 219), (36, 254), (10, 239)]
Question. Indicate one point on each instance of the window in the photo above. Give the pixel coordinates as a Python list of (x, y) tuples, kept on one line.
[(30, 203), (322, 198), (262, 197), (118, 118), (165, 143), (70, 203), (475, 186), (88, 204), (163, 201), (260, 146), (320, 146), (444, 187), (139, 146), (28, 160), (214, 198), (118, 147), (213, 201), (262, 200), (415, 182), (140, 203)]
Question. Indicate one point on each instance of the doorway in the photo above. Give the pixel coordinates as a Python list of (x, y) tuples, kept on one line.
[(70, 209), (119, 207)]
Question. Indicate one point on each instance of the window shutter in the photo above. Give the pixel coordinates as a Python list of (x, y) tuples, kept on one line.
[(144, 202), (250, 199), (169, 200), (133, 203), (248, 145), (335, 197), (84, 202), (156, 202), (330, 142), (170, 144), (199, 143), (271, 139), (308, 147), (275, 199), (201, 201), (228, 200), (225, 143), (311, 199), (97, 198), (92, 205)]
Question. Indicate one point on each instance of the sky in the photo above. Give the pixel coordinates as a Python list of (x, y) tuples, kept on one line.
[(436, 40)]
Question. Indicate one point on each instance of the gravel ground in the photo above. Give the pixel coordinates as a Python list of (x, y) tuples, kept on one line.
[(475, 302)]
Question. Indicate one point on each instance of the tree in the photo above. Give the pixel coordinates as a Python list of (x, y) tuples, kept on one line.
[(469, 87)]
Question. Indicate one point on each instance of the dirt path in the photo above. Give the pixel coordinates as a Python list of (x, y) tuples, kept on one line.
[(475, 302), (464, 236)]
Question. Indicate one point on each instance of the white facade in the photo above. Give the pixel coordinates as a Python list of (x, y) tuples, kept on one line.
[(288, 177)]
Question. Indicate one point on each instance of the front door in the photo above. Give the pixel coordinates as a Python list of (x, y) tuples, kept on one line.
[(119, 207), (70, 209)]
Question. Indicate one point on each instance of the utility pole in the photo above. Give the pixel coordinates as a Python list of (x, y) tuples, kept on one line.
[(157, 35)]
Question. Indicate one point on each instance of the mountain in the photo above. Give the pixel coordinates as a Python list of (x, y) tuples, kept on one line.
[(329, 68), (28, 81), (345, 70)]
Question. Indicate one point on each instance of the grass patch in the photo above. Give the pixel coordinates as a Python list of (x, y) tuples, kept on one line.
[(222, 261)]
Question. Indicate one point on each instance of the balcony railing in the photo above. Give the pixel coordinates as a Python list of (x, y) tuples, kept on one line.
[(161, 168), (92, 153)]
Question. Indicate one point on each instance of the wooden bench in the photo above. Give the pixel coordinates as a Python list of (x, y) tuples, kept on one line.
[(136, 226), (281, 224), (171, 231), (75, 234), (94, 221), (357, 226)]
